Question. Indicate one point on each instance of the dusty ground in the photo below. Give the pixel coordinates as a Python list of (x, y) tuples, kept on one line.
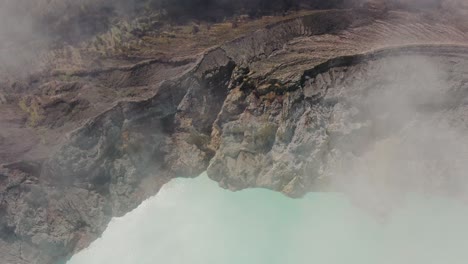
[(62, 91)]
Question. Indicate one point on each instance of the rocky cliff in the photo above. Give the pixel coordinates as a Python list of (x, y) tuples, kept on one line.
[(283, 108)]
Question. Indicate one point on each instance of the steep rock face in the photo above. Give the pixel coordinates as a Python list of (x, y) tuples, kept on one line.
[(282, 109), (103, 170), (295, 139)]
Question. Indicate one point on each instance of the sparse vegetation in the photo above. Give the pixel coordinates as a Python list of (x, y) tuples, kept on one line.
[(32, 108), (198, 139), (285, 134), (153, 37), (264, 137)]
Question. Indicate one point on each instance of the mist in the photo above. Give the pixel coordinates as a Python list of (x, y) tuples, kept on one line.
[(30, 30), (407, 134)]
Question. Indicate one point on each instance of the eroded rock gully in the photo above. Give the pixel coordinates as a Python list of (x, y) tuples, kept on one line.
[(294, 108)]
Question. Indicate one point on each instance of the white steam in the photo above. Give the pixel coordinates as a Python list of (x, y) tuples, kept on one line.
[(405, 137), (31, 28)]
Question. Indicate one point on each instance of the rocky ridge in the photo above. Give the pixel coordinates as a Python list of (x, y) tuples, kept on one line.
[(273, 109)]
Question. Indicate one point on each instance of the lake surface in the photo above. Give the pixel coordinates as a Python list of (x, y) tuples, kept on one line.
[(193, 221)]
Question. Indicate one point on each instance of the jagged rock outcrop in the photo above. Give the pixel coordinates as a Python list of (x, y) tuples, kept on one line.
[(290, 138), (281, 109)]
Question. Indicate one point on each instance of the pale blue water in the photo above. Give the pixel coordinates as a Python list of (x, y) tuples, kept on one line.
[(193, 221)]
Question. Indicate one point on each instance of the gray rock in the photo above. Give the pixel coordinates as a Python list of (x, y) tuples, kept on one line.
[(278, 109)]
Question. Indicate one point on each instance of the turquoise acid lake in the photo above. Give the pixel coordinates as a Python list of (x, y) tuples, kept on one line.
[(193, 221)]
